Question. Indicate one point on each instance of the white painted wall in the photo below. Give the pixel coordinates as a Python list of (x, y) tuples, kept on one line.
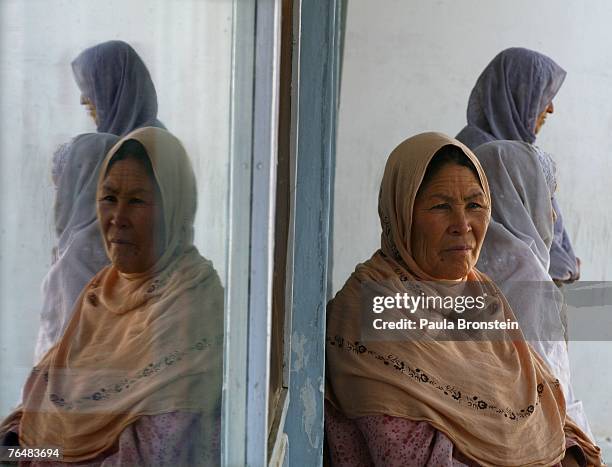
[(186, 45), (409, 67)]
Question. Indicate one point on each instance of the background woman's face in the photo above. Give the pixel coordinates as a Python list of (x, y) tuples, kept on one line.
[(542, 117), (449, 222), (91, 108), (131, 217)]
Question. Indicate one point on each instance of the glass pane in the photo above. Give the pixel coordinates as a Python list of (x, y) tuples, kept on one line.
[(186, 46)]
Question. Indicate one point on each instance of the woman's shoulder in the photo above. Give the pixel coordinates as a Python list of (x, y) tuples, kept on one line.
[(193, 279), (193, 264), (369, 276)]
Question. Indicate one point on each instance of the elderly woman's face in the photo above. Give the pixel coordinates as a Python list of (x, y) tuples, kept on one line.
[(542, 117), (449, 222), (131, 216), (91, 108)]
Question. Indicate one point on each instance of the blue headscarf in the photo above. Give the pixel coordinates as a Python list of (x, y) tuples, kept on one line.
[(116, 80), (509, 95)]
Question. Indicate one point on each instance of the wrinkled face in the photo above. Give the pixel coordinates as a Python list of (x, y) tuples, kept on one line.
[(91, 108), (131, 217), (449, 222), (542, 117)]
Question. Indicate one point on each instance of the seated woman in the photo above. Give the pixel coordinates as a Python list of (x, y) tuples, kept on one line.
[(118, 91), (136, 377), (428, 401), (511, 100), (515, 253)]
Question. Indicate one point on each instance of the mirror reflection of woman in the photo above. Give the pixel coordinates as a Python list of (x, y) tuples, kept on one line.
[(136, 377), (427, 401), (511, 100), (117, 90)]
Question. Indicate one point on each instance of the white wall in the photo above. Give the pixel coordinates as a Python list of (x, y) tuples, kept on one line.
[(409, 67), (186, 45)]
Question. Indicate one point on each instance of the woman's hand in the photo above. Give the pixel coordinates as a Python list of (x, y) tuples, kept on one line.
[(569, 278), (576, 275)]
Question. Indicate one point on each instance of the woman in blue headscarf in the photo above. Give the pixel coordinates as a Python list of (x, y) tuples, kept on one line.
[(510, 101), (118, 91)]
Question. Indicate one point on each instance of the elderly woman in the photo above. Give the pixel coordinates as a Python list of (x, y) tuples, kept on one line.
[(511, 100), (515, 253), (423, 400), (136, 377), (117, 89)]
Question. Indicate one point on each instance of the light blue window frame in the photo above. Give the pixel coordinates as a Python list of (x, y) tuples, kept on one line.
[(298, 440)]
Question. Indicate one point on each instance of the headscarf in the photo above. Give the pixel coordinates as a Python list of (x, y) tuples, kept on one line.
[(80, 253), (116, 80), (495, 400), (509, 95), (149, 346), (515, 251)]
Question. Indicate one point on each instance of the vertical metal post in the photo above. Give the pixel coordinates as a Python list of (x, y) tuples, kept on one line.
[(233, 445), (265, 128)]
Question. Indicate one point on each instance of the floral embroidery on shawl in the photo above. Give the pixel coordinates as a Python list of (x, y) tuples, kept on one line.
[(450, 391)]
